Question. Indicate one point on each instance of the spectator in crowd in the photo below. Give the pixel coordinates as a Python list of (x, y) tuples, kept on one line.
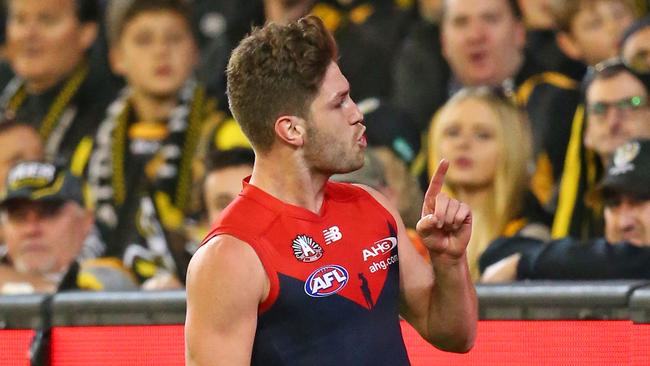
[(541, 41), (483, 41), (487, 142), (623, 251), (590, 31), (616, 111), (19, 142), (617, 108), (141, 166), (489, 56), (635, 45), (51, 85), (46, 224), (223, 178)]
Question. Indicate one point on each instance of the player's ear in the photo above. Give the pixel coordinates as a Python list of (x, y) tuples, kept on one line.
[(291, 130)]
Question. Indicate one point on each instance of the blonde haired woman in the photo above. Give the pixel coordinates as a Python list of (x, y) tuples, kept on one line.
[(487, 141)]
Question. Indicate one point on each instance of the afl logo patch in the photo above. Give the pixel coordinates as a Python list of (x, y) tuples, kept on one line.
[(326, 281), (306, 249)]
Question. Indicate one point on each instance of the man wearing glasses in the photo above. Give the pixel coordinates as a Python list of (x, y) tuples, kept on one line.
[(616, 110)]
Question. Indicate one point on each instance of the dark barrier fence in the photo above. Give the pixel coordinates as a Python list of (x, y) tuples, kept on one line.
[(527, 323)]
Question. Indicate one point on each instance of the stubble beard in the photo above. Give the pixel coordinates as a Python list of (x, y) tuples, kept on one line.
[(330, 155)]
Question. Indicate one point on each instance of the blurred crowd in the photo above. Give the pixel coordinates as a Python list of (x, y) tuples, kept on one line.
[(130, 151)]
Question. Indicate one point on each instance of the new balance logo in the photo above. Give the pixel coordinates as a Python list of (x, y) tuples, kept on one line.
[(332, 235)]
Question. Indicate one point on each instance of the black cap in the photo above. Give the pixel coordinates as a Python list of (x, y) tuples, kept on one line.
[(38, 181), (629, 171)]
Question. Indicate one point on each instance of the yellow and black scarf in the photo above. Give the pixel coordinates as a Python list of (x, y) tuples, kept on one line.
[(60, 115)]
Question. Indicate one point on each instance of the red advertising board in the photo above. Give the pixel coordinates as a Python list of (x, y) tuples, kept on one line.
[(502, 342)]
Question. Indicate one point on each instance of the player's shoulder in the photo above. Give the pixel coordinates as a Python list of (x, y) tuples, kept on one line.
[(222, 252), (220, 267), (366, 190), (377, 197)]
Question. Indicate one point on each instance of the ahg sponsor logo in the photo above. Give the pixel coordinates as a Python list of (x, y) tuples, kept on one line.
[(379, 248), (326, 281)]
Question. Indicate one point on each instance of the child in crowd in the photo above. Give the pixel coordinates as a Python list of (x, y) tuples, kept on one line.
[(143, 165), (590, 31)]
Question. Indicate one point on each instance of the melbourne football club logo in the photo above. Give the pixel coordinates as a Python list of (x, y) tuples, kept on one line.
[(326, 281), (306, 249)]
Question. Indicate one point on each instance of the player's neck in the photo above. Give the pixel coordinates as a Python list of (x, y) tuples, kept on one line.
[(289, 182)]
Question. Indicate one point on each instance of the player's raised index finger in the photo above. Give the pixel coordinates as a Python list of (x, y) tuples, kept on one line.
[(435, 186)]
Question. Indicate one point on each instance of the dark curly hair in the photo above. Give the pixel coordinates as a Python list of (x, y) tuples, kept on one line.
[(277, 70)]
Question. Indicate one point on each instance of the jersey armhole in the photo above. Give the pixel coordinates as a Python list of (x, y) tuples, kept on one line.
[(274, 282), (381, 207)]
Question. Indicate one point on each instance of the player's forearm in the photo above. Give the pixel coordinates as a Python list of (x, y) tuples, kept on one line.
[(453, 311)]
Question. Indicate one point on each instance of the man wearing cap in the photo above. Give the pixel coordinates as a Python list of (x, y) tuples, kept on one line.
[(624, 252), (46, 229)]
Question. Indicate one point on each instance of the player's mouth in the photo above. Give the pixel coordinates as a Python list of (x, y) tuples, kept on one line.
[(362, 141)]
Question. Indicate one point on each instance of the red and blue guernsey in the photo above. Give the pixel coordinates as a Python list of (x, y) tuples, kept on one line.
[(334, 278)]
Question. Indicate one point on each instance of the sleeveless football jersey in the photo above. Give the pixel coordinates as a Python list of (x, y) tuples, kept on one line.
[(334, 278)]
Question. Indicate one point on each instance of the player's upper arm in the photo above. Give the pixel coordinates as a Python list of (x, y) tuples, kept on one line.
[(416, 275), (226, 283)]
